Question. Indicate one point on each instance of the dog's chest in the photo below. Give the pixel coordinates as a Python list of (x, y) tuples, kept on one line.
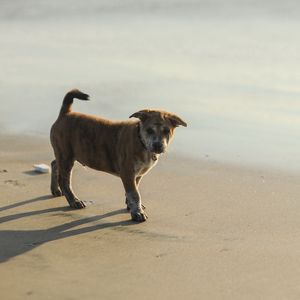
[(141, 167)]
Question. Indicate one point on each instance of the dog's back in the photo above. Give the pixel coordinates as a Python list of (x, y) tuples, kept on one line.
[(76, 136)]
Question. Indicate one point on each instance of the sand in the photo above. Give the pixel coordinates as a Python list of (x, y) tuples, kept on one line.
[(215, 231)]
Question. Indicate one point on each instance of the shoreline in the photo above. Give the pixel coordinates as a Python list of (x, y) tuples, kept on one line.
[(215, 231), (42, 141)]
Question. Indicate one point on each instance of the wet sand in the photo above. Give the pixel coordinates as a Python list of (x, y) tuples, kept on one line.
[(214, 232)]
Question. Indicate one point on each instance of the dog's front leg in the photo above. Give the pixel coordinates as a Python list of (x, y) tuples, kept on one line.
[(133, 198), (137, 181)]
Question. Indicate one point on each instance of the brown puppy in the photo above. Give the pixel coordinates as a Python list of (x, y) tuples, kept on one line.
[(127, 149)]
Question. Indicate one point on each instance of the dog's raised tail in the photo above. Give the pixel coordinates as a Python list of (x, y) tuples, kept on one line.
[(68, 100)]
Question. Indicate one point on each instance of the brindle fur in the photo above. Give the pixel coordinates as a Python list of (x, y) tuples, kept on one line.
[(125, 149)]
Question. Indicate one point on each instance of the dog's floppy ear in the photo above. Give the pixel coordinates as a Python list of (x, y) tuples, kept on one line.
[(142, 114), (176, 121)]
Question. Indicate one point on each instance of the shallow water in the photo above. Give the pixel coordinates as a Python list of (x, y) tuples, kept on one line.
[(229, 69)]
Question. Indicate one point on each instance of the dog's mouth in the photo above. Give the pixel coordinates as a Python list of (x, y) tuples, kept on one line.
[(158, 152), (158, 148)]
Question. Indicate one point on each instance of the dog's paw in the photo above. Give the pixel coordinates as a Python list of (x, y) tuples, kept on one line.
[(77, 204), (139, 216), (56, 193), (128, 207)]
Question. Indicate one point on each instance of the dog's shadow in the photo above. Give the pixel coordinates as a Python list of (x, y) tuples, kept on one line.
[(17, 242)]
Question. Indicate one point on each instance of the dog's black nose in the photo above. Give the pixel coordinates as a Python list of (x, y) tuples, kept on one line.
[(158, 147)]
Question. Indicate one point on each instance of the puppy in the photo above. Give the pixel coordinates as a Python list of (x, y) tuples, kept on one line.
[(126, 149)]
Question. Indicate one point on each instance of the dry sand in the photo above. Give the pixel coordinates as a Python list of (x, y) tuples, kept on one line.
[(214, 232)]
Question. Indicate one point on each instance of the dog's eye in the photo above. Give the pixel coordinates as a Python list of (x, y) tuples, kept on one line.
[(166, 131), (150, 131)]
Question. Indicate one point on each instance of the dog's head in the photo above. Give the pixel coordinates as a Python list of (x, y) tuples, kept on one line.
[(157, 128)]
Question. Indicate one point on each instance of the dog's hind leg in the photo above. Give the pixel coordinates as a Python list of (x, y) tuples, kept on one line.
[(55, 190), (64, 180)]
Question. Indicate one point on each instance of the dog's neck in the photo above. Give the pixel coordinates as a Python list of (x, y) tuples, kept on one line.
[(140, 137), (154, 156)]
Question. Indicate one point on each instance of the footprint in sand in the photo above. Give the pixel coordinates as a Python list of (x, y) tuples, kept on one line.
[(14, 183)]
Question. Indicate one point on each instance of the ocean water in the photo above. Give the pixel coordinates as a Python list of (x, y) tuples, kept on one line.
[(230, 69)]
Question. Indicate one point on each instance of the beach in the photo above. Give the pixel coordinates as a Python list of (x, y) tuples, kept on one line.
[(215, 231), (223, 203)]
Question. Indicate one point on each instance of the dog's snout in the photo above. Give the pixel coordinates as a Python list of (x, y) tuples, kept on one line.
[(158, 147)]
